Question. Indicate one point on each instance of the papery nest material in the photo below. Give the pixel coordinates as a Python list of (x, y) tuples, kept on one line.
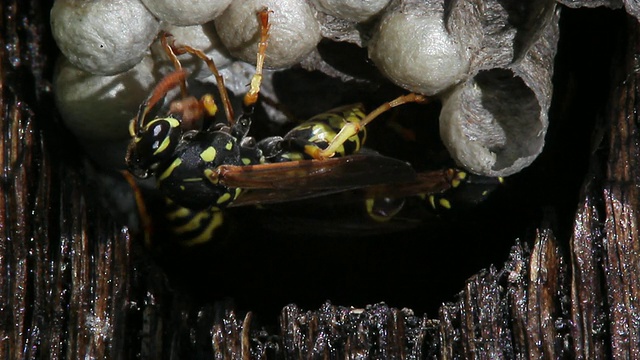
[(494, 123), (489, 61)]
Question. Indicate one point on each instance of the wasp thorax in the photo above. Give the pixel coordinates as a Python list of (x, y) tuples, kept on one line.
[(188, 178)]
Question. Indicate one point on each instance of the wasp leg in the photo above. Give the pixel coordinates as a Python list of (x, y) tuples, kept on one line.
[(352, 128), (183, 49), (174, 59), (145, 219), (251, 97), (136, 126)]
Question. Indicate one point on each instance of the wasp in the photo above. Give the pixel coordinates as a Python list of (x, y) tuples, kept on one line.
[(202, 167)]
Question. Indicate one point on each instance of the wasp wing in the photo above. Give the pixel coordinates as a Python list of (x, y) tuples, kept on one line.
[(295, 180), (424, 183), (340, 214), (355, 212)]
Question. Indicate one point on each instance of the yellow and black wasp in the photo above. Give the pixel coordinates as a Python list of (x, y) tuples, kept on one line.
[(202, 167)]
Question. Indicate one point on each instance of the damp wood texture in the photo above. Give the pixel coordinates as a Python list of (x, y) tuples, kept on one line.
[(76, 283)]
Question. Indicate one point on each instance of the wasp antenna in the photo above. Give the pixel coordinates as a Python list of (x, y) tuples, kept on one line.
[(251, 97), (162, 88), (168, 46)]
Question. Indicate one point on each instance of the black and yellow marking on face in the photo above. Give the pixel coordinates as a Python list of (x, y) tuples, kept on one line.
[(165, 140), (163, 145), (167, 172), (154, 144), (173, 122), (228, 146)]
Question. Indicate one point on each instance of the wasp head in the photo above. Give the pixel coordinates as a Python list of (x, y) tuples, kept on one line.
[(152, 146)]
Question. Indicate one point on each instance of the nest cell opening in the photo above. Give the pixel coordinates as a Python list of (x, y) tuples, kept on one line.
[(515, 109)]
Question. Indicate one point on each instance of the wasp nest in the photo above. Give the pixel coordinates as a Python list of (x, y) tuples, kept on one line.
[(489, 61), (494, 122)]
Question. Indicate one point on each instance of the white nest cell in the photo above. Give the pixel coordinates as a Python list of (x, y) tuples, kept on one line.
[(493, 124), (103, 37), (96, 107), (295, 32), (416, 52), (185, 13), (353, 10)]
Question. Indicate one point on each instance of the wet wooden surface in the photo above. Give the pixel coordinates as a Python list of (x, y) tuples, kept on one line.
[(74, 285)]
